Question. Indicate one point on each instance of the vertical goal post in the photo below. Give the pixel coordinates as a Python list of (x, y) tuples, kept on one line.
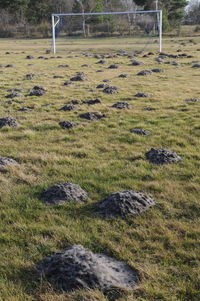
[(57, 16)]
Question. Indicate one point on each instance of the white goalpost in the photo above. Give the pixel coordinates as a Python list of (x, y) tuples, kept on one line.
[(57, 17)]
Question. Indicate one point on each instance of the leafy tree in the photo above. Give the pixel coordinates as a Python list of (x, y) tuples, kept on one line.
[(193, 13), (173, 10), (14, 4)]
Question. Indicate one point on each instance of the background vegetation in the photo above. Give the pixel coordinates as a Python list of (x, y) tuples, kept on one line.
[(21, 18)]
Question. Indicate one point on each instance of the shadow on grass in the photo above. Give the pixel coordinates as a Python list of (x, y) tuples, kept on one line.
[(28, 279)]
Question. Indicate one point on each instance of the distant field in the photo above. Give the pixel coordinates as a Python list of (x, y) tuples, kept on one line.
[(102, 157)]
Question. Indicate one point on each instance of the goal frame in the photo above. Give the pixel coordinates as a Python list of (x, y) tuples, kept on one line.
[(57, 16)]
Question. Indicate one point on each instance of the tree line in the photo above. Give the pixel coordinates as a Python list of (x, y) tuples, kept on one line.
[(27, 15)]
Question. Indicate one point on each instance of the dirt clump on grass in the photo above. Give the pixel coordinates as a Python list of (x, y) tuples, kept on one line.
[(141, 132), (157, 70), (142, 95), (113, 66), (64, 192), (92, 115), (144, 72), (102, 86), (124, 203), (136, 63), (92, 101), (37, 91), (67, 124), (192, 99), (8, 121), (162, 156), (5, 161), (123, 75), (69, 107), (14, 95), (29, 76), (81, 76), (80, 268), (111, 90), (121, 105)]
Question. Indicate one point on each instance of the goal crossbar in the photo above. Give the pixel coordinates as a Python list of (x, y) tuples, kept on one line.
[(54, 24)]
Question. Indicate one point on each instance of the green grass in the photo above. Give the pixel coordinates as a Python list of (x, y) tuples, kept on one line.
[(102, 157)]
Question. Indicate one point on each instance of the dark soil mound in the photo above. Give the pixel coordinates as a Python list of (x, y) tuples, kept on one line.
[(102, 62), (69, 107), (79, 268), (67, 124), (79, 77), (57, 76), (173, 63), (64, 192), (29, 76), (92, 115), (4, 162), (149, 109), (136, 63), (26, 109), (192, 99), (123, 75), (113, 66), (162, 156), (144, 72), (111, 90), (157, 70), (8, 121), (92, 101), (102, 86), (140, 132), (37, 91), (9, 66), (141, 94), (67, 83), (125, 203), (30, 57), (196, 66), (63, 66), (14, 95), (121, 105)]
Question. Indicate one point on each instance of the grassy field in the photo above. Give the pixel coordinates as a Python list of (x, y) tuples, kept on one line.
[(102, 157)]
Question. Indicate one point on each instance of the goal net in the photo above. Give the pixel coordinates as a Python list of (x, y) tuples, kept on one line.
[(132, 30)]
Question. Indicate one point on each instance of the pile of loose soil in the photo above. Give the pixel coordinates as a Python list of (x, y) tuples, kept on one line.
[(124, 203), (69, 107), (157, 70), (144, 72), (92, 101), (162, 156), (79, 268), (64, 192), (140, 132), (81, 76), (4, 162), (136, 63), (92, 115), (142, 94), (111, 90), (192, 99), (14, 95), (113, 66), (121, 105), (30, 76), (37, 91), (123, 75), (8, 121)]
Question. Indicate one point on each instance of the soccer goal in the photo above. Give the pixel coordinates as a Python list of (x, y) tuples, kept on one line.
[(137, 27)]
